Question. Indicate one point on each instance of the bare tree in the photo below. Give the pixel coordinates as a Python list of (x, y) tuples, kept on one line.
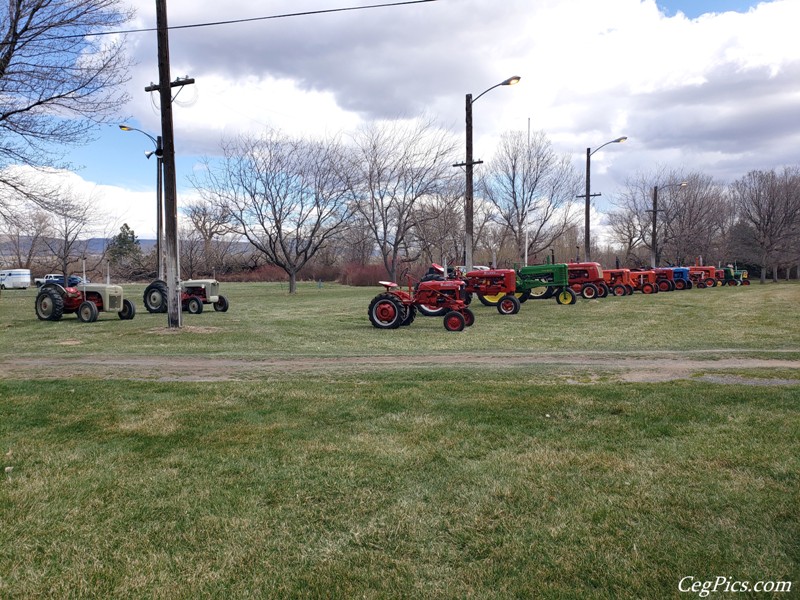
[(58, 78), (768, 202), (532, 190), (211, 223), (286, 196), (24, 228), (72, 221), (438, 225), (693, 218), (689, 220), (395, 166)]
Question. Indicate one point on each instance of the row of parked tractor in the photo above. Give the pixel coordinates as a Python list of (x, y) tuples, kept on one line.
[(88, 300), (448, 293)]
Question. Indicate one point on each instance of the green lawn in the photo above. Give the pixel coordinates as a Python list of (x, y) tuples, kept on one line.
[(415, 481)]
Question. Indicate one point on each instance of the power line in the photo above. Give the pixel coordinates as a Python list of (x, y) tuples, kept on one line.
[(249, 20)]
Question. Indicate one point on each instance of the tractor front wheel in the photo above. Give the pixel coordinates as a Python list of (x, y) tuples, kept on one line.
[(508, 305), (386, 311), (194, 305), (221, 305), (566, 296), (648, 288), (602, 290), (128, 310), (620, 290), (49, 305), (454, 321), (87, 312), (680, 284)]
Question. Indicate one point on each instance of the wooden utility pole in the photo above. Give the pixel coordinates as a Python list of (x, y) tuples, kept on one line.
[(168, 161)]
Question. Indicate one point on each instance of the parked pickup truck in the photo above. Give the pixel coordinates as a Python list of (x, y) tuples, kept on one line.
[(59, 279)]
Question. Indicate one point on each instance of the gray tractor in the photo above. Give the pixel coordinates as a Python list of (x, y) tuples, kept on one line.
[(194, 294), (87, 300)]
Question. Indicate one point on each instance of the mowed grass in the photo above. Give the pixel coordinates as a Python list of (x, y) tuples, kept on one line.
[(416, 481)]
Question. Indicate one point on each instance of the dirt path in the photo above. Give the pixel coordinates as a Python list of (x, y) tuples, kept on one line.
[(712, 366)]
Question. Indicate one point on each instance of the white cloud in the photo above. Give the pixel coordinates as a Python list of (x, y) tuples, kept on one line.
[(716, 94)]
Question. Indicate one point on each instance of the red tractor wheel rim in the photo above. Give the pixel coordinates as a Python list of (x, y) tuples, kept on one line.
[(453, 322), (507, 305), (386, 311)]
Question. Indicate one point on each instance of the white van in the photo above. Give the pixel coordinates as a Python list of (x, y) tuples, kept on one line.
[(15, 278)]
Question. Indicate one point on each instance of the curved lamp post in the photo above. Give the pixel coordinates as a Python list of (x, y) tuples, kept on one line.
[(159, 152), (469, 164), (653, 251), (589, 152)]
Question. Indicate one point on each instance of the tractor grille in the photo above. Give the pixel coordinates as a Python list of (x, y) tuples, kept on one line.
[(114, 302)]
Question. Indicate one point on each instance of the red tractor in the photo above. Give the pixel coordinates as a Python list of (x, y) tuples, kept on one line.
[(644, 281), (494, 287), (618, 281), (397, 307), (665, 279), (703, 277), (587, 280)]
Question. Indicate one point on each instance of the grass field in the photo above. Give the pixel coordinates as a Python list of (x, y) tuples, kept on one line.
[(307, 454)]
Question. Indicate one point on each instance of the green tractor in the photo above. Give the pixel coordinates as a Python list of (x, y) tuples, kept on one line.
[(546, 281), (539, 282)]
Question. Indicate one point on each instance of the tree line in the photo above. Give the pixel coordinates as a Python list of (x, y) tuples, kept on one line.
[(386, 196)]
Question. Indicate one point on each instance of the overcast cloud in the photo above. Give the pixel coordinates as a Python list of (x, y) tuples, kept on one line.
[(718, 93)]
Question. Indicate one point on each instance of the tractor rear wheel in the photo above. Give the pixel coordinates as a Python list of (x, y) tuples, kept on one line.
[(194, 305), (489, 300), (541, 293), (386, 311), (454, 321), (566, 296), (155, 297), (49, 305), (431, 311), (87, 312), (508, 305), (411, 313), (589, 291), (221, 305), (128, 310)]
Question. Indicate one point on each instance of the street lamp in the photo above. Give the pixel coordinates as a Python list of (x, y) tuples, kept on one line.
[(654, 253), (159, 152), (469, 164), (589, 152)]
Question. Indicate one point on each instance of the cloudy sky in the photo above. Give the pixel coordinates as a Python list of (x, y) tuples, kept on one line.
[(708, 85)]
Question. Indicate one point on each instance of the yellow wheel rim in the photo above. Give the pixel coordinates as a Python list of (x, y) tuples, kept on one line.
[(496, 297)]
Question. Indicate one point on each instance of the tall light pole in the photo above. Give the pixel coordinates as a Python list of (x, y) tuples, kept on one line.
[(589, 152), (469, 163), (653, 251), (159, 152)]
